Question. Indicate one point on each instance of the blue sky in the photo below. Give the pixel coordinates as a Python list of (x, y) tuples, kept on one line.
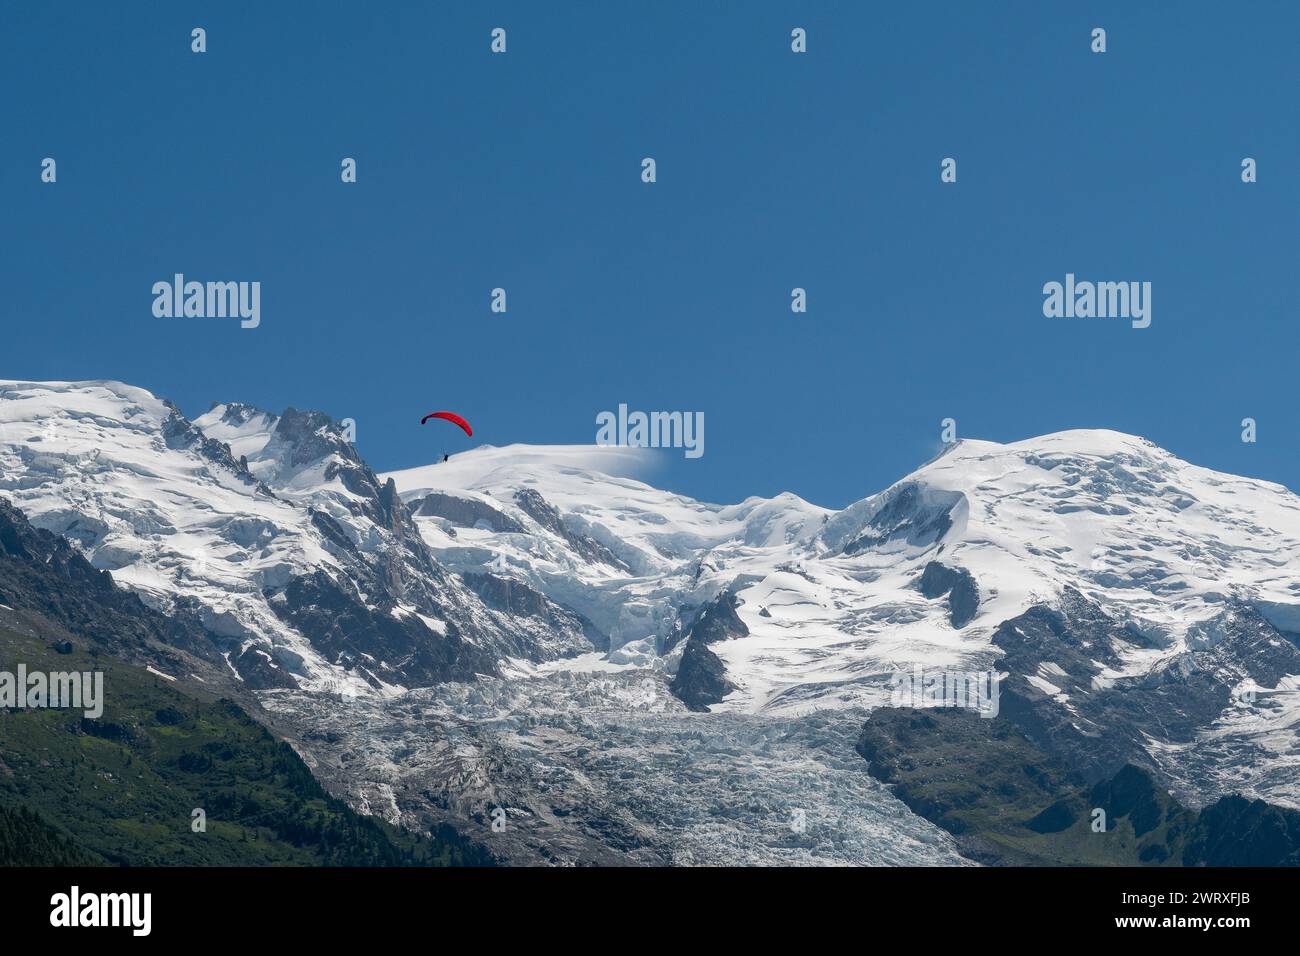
[(775, 170)]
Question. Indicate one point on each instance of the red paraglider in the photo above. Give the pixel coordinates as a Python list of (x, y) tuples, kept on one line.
[(450, 417)]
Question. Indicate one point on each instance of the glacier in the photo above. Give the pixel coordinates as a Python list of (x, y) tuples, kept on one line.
[(502, 630)]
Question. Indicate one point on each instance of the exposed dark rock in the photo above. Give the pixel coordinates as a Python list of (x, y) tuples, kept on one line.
[(1240, 832), (332, 531), (701, 679), (1008, 801), (718, 621), (303, 438), (515, 597), (905, 515), (1105, 726), (373, 642), (259, 671), (963, 594), (467, 512), (504, 594), (179, 432), (541, 511)]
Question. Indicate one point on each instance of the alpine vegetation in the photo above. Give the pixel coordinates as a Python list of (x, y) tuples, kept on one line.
[(209, 300), (653, 430), (1102, 300)]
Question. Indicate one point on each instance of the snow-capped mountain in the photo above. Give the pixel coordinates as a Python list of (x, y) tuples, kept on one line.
[(1184, 579), (302, 565), (629, 557), (537, 629), (1164, 546)]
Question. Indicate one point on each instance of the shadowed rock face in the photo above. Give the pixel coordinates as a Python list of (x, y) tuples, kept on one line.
[(301, 439), (718, 622), (517, 598), (1009, 801), (1050, 654), (907, 515), (963, 594), (701, 677), (260, 671), (467, 512), (373, 642), (306, 437), (513, 597), (179, 432), (541, 511), (1240, 832)]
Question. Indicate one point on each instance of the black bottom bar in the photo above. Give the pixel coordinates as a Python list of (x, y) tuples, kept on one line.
[(303, 906)]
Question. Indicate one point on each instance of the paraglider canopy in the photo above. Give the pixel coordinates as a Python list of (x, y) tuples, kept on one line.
[(450, 417)]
